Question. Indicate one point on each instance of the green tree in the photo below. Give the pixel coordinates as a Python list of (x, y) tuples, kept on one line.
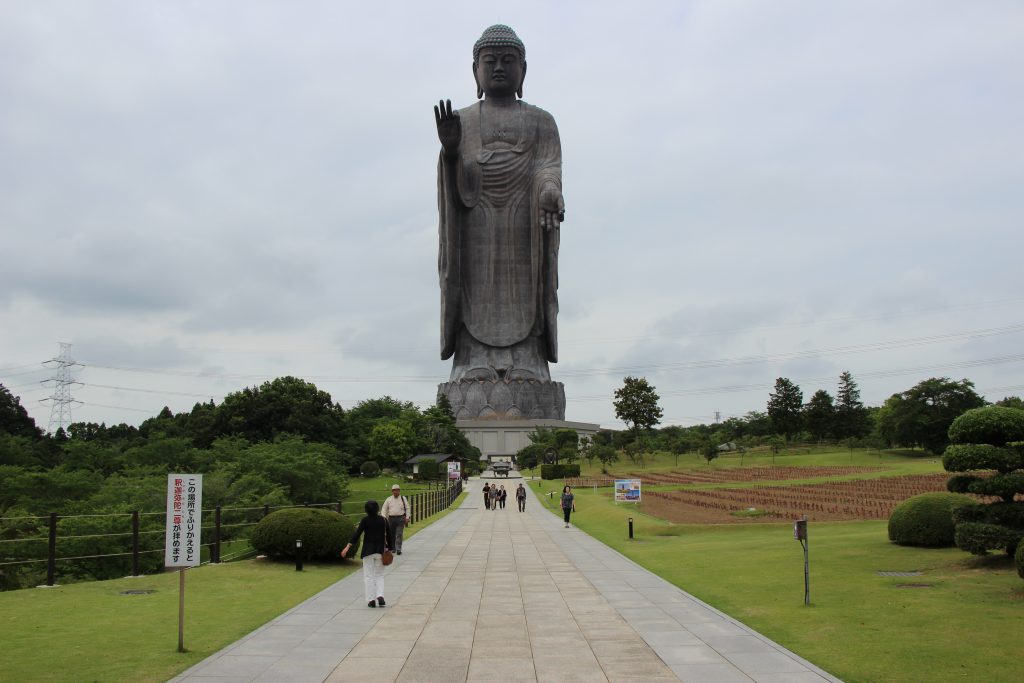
[(983, 440), (428, 470), (1011, 402), (392, 442), (785, 408), (286, 405), (921, 416), (851, 417), (820, 415), (636, 404), (606, 455), (14, 419), (441, 434), (302, 469)]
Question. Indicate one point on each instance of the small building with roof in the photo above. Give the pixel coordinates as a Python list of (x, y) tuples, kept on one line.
[(442, 460)]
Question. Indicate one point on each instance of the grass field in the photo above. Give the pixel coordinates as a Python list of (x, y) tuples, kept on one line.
[(94, 632), (378, 488), (962, 620)]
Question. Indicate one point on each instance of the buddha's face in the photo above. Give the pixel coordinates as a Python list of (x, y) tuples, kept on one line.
[(499, 71)]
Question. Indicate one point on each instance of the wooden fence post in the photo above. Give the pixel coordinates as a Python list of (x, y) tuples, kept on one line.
[(215, 555), (51, 555), (135, 542)]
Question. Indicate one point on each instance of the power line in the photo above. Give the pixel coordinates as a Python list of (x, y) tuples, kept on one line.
[(810, 353), (877, 374), (689, 365), (809, 323)]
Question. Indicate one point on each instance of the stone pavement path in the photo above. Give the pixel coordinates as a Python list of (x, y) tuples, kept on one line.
[(506, 596)]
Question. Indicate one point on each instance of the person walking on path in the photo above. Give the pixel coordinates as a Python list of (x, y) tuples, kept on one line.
[(521, 497), (376, 539), (494, 497), (396, 511), (502, 496), (568, 504), (487, 495)]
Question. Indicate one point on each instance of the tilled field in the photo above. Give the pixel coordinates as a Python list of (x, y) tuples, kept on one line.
[(827, 501)]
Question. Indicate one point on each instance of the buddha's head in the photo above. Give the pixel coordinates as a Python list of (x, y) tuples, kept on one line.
[(499, 63)]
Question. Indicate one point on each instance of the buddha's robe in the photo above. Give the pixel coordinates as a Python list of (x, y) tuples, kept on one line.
[(498, 267)]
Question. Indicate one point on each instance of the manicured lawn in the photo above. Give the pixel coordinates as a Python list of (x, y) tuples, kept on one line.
[(966, 625), (378, 488), (91, 631)]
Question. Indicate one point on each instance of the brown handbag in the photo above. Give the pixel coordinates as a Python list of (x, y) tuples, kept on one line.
[(387, 557)]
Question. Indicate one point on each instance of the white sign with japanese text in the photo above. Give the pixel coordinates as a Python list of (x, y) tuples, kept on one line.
[(184, 509)]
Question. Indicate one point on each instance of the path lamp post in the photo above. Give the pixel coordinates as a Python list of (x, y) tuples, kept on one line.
[(298, 555), (631, 528)]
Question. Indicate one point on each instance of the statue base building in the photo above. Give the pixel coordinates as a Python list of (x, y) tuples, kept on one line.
[(501, 439), (507, 399)]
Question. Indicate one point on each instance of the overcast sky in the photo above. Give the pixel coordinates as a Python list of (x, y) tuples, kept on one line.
[(202, 196)]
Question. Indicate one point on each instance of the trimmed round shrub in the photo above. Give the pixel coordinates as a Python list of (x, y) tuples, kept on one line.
[(993, 425), (926, 520), (978, 538), (369, 469), (323, 533), (1018, 560), (981, 456)]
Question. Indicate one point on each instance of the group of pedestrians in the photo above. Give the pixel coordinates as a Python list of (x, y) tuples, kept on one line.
[(382, 530), (495, 496)]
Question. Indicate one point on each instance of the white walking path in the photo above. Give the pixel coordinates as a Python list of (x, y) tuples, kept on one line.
[(506, 596)]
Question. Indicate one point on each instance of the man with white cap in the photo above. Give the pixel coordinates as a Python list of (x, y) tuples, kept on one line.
[(396, 511)]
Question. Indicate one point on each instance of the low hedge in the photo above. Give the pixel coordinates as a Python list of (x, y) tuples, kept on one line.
[(926, 520), (323, 533), (559, 471), (369, 469)]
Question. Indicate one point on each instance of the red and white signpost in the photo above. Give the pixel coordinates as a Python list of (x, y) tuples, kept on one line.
[(182, 538)]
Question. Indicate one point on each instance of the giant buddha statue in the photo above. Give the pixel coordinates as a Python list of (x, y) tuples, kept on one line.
[(499, 186)]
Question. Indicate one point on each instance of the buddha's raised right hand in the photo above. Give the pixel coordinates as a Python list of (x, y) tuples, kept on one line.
[(449, 127)]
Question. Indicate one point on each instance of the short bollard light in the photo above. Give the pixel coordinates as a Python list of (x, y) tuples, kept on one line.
[(800, 534), (630, 528), (298, 555)]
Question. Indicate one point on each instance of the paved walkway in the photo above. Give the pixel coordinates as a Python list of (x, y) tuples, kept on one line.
[(506, 596)]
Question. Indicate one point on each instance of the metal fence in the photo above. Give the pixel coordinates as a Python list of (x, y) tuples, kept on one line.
[(67, 537)]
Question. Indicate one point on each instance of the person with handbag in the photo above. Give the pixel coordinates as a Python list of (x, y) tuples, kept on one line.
[(568, 504), (396, 511), (376, 545)]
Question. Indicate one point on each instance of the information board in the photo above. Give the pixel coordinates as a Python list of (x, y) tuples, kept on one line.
[(454, 470), (184, 509), (627, 490)]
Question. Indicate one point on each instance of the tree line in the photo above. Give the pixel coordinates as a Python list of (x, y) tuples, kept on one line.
[(284, 441), (916, 418)]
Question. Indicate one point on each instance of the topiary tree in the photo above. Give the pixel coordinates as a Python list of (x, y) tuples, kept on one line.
[(985, 439), (369, 469), (323, 533), (926, 520)]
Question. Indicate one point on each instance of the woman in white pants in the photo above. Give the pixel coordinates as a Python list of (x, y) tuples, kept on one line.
[(376, 539)]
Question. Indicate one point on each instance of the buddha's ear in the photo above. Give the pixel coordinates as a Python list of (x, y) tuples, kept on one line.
[(519, 92), (479, 90)]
